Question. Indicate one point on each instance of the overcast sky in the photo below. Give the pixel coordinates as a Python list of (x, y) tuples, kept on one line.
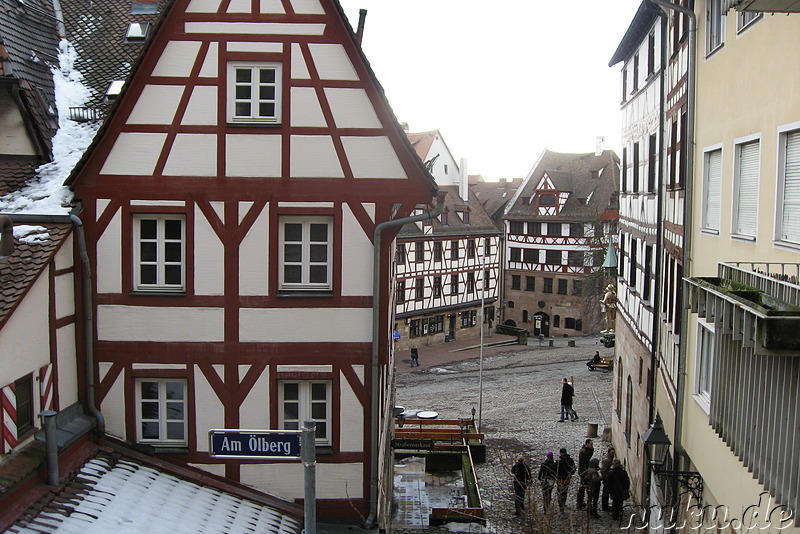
[(501, 79)]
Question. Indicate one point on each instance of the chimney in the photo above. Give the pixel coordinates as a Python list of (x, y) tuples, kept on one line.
[(6, 236), (362, 15), (404, 126), (599, 145), (463, 181)]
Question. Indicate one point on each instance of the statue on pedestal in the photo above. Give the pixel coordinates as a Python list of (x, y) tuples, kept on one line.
[(609, 302)]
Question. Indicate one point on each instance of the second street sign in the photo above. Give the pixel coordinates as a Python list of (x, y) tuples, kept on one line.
[(255, 444)]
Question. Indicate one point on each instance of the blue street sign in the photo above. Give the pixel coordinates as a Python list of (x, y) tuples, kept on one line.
[(255, 444)]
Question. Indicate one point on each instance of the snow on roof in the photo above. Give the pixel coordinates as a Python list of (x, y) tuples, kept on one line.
[(125, 496), (46, 194)]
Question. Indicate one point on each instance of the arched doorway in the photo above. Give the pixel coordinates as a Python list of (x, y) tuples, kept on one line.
[(541, 324)]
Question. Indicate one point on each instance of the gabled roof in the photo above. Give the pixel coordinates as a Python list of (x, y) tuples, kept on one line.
[(592, 182), (640, 26), (495, 195), (115, 490), (20, 270), (479, 220), (28, 51), (421, 142)]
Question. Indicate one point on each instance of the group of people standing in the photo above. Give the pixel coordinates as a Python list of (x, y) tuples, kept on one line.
[(606, 478)]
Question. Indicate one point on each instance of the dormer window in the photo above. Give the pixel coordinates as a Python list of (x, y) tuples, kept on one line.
[(114, 90), (547, 200), (443, 218), (464, 216), (144, 8), (137, 32)]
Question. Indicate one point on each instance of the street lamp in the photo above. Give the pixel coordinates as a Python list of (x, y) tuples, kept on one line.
[(480, 324), (656, 444)]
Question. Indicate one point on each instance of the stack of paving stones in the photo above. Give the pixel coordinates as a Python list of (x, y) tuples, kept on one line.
[(519, 412)]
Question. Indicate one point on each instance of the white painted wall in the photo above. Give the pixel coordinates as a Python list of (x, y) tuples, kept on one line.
[(208, 410), (278, 325), (109, 255), (209, 258), (113, 407), (352, 419), (253, 260), (153, 323), (286, 480), (358, 256)]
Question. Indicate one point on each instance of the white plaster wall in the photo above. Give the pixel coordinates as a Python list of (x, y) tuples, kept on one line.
[(372, 157), (324, 164), (307, 7), (192, 155), (351, 108), (239, 6), (299, 67), (209, 254), (201, 110), (134, 153), (337, 325), (253, 269), (113, 408), (15, 139), (216, 469), (63, 259), (203, 6), (255, 408), (208, 410), (67, 365), (209, 68), (332, 62), (28, 322), (152, 323), (357, 257), (306, 110), (285, 480), (157, 104), (445, 158), (177, 59), (352, 419), (65, 295), (253, 155), (275, 48)]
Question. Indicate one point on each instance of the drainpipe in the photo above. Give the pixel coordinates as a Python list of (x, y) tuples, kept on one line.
[(7, 238), (376, 336), (687, 214), (87, 301)]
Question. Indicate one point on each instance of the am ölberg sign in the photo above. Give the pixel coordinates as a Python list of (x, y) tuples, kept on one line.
[(255, 444)]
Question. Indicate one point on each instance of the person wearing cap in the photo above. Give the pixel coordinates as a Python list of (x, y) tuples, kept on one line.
[(522, 479), (619, 486), (565, 468), (547, 478)]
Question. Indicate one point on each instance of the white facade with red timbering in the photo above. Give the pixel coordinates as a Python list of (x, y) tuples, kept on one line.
[(230, 207), (38, 364)]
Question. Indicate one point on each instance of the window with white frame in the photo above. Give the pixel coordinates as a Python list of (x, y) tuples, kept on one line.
[(745, 18), (746, 177), (712, 183), (715, 25), (704, 363), (306, 251), (159, 252), (161, 411), (254, 93), (307, 399), (788, 218)]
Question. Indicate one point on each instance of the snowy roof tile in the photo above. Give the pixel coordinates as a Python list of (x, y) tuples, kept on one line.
[(31, 255), (120, 494), (15, 173)]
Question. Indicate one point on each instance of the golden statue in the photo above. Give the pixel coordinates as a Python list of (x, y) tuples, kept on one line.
[(609, 302)]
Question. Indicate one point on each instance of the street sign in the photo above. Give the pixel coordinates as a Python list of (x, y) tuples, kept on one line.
[(255, 444)]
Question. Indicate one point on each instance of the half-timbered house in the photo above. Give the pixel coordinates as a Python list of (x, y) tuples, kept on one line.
[(248, 180), (556, 229)]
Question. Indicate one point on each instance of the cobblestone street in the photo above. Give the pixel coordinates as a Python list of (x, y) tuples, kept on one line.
[(519, 414)]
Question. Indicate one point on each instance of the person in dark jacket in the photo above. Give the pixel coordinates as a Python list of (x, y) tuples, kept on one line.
[(619, 486), (565, 468), (567, 392), (594, 361), (547, 478), (591, 481), (584, 455), (521, 473), (605, 469)]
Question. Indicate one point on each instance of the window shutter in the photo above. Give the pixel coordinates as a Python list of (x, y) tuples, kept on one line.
[(747, 201), (8, 418), (713, 178), (790, 224)]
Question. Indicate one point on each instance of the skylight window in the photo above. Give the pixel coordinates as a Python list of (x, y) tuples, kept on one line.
[(114, 89), (137, 32), (144, 8)]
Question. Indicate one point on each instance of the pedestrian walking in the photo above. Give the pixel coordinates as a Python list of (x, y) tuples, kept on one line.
[(414, 357), (605, 469), (584, 455), (565, 468), (567, 393), (591, 481), (521, 474), (619, 486), (547, 479)]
